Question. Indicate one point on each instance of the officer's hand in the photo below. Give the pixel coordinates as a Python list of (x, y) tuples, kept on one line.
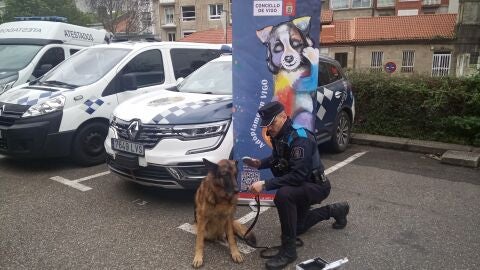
[(252, 162), (257, 186)]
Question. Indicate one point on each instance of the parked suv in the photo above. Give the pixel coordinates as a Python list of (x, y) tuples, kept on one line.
[(160, 138), (67, 111)]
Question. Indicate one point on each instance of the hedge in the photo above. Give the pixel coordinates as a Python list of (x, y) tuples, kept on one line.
[(445, 109)]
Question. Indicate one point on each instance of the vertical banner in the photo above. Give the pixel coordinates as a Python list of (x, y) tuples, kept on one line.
[(275, 57)]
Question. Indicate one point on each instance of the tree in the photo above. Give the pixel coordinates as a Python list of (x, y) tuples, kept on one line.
[(128, 16), (64, 8)]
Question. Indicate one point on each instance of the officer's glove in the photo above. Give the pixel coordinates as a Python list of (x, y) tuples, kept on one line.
[(252, 162)]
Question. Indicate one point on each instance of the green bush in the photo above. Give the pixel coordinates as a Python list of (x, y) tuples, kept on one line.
[(420, 107)]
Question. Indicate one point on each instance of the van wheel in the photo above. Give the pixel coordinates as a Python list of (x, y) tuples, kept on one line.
[(88, 148), (341, 133)]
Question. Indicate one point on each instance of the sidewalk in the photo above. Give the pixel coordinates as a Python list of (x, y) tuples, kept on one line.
[(454, 154)]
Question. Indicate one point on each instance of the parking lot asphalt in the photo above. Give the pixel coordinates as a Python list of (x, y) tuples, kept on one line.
[(408, 211)]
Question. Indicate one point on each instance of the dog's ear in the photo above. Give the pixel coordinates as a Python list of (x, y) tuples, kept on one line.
[(263, 34), (303, 24), (212, 167)]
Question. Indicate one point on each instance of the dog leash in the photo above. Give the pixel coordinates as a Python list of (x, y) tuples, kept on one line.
[(265, 249)]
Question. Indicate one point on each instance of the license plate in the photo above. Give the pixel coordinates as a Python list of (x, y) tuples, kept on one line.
[(129, 147)]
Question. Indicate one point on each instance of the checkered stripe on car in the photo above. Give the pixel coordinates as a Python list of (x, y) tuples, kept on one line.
[(327, 93), (173, 113), (34, 99), (92, 104)]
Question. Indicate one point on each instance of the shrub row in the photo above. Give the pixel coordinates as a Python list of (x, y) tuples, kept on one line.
[(443, 109)]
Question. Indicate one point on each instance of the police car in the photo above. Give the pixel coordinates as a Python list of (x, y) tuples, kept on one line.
[(67, 111), (160, 138), (32, 46)]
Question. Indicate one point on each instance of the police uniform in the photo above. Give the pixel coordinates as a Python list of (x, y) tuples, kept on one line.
[(300, 182)]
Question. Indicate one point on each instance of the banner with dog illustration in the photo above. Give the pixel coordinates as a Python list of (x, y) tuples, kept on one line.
[(275, 57)]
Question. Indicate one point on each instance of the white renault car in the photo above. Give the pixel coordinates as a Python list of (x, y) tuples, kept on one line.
[(160, 138)]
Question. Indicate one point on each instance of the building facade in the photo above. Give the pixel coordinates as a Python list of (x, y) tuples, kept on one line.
[(176, 19)]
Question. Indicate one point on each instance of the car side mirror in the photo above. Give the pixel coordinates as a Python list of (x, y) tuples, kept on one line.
[(42, 70), (129, 82)]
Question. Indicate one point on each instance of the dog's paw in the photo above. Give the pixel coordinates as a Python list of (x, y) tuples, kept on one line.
[(237, 257), (311, 54), (197, 261)]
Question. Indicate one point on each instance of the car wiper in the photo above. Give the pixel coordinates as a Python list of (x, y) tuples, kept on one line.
[(67, 85)]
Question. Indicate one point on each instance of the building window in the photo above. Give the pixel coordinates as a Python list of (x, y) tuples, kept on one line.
[(186, 33), (169, 11), (408, 59), (441, 64), (342, 59), (385, 3), (171, 36), (188, 13), (346, 4), (474, 56), (215, 11), (377, 60)]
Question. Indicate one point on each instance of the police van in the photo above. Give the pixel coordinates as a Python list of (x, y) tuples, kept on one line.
[(30, 48), (67, 110), (160, 139)]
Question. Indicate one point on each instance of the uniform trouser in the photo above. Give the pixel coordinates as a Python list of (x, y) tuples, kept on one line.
[(293, 206)]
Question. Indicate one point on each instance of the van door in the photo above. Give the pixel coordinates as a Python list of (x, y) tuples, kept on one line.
[(329, 95), (144, 73)]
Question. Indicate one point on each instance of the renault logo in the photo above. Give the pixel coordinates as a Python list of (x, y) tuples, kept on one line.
[(133, 129)]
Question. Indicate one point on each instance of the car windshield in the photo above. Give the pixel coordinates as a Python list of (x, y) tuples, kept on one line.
[(212, 78), (85, 67), (14, 57)]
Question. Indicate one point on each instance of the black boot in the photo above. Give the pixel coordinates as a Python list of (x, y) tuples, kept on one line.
[(339, 212), (287, 254)]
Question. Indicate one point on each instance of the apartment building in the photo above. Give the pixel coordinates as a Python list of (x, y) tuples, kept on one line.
[(349, 9), (176, 19)]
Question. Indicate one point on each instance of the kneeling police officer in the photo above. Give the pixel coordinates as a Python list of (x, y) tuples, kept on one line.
[(300, 180)]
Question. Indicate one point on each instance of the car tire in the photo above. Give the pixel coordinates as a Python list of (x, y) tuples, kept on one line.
[(88, 145), (341, 133)]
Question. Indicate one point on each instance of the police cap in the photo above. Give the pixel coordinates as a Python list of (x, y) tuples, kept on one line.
[(269, 111)]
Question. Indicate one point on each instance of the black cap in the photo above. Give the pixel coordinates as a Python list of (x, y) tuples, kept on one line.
[(269, 111)]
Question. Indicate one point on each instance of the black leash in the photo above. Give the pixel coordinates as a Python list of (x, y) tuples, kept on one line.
[(267, 251)]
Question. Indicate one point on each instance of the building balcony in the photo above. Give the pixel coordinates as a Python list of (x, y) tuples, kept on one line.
[(385, 3), (168, 24), (167, 2), (431, 2)]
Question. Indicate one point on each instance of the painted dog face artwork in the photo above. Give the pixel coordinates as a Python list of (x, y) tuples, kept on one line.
[(293, 61), (285, 43)]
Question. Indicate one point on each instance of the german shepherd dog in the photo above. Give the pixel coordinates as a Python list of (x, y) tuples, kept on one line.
[(215, 204)]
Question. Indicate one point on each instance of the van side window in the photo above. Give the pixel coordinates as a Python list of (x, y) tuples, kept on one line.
[(186, 61), (50, 59), (73, 51), (147, 68), (335, 74), (323, 75)]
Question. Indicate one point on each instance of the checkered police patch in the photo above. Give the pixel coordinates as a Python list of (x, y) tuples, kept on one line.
[(297, 152), (172, 114), (92, 104)]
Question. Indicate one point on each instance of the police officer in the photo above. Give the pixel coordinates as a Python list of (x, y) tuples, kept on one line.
[(300, 180)]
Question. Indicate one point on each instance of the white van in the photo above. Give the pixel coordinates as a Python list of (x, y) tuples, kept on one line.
[(28, 49), (67, 110)]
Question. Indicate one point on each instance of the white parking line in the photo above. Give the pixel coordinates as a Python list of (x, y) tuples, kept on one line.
[(75, 183), (244, 248)]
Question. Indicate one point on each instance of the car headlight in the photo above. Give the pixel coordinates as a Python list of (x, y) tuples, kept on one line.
[(7, 83), (202, 130), (51, 105)]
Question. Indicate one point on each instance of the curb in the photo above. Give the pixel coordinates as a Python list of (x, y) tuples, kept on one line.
[(465, 155)]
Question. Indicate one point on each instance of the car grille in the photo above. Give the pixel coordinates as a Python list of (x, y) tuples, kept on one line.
[(149, 172), (147, 135), (11, 112)]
